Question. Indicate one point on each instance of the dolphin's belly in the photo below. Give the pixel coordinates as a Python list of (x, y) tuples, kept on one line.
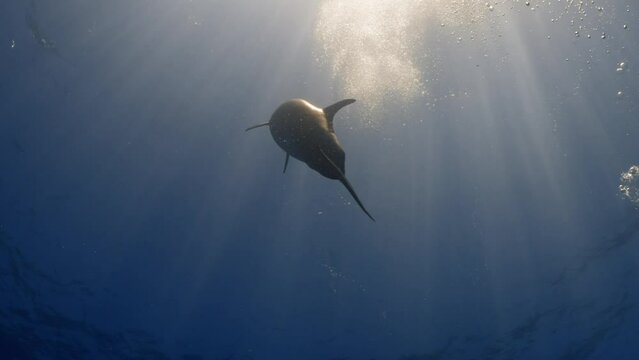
[(303, 132), (294, 142), (298, 129)]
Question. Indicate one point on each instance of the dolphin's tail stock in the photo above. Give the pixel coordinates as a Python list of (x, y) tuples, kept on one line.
[(256, 126), (348, 186)]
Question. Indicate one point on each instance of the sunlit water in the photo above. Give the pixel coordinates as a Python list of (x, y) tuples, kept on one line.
[(379, 49), (494, 141)]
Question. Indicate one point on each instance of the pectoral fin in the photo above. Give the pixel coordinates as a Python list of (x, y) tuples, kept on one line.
[(256, 126), (347, 184), (286, 162)]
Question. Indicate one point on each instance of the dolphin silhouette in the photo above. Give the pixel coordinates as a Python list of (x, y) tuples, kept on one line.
[(306, 132)]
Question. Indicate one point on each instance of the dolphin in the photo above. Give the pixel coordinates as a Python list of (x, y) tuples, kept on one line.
[(306, 132)]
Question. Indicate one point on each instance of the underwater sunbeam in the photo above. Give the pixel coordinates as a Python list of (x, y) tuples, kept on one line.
[(374, 47)]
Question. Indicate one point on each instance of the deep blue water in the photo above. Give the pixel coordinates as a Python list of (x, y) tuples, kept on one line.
[(489, 140)]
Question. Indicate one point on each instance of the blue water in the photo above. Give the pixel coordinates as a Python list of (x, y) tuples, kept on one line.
[(489, 140)]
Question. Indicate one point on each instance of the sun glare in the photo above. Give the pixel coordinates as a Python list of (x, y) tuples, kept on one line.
[(378, 49), (370, 45), (367, 44)]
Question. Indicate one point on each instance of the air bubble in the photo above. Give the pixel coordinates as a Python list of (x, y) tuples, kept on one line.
[(629, 186), (621, 66)]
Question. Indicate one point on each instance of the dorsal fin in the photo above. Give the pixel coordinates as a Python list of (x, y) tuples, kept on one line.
[(331, 110)]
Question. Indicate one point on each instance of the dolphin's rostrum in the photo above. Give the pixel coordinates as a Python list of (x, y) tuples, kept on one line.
[(306, 133)]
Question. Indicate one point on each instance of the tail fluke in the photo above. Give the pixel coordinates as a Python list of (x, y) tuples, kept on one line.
[(348, 186), (350, 189)]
